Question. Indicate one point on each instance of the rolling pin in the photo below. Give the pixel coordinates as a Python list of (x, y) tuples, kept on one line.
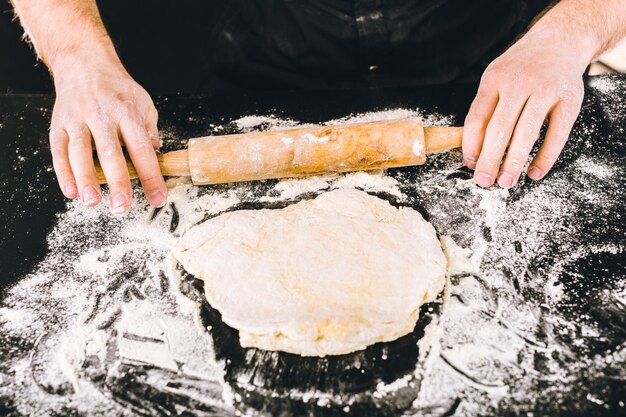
[(305, 151)]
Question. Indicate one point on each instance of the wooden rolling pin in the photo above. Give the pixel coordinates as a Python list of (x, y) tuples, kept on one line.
[(305, 151)]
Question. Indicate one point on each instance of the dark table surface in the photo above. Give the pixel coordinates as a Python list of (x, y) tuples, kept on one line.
[(29, 198), (30, 204)]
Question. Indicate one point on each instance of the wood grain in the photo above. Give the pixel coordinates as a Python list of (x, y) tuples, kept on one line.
[(305, 151)]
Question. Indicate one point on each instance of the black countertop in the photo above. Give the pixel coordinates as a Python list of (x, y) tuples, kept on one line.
[(592, 285), (29, 197)]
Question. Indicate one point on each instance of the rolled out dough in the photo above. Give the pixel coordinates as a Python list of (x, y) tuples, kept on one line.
[(321, 277)]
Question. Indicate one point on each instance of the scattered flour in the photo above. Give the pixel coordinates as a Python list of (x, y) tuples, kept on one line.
[(105, 302), (601, 171), (432, 119), (253, 122)]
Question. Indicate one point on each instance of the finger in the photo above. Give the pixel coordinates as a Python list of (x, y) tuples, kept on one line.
[(524, 137), (113, 165), (562, 120), (497, 137), (152, 120), (59, 142), (80, 154), (144, 158), (475, 124)]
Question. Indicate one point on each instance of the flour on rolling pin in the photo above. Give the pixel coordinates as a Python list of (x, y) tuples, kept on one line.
[(307, 151)]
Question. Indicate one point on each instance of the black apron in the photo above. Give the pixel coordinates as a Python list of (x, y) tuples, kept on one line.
[(318, 44)]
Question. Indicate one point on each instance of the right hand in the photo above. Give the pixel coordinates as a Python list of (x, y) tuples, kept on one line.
[(99, 104)]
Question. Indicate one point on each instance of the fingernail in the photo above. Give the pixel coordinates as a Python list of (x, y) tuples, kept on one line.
[(90, 196), (70, 190), (118, 203), (505, 180), (534, 173), (483, 179), (157, 199), (470, 163)]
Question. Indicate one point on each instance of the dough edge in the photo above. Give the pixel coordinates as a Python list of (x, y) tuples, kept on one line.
[(358, 333)]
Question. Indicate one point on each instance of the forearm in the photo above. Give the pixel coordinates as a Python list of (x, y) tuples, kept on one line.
[(66, 31), (589, 27)]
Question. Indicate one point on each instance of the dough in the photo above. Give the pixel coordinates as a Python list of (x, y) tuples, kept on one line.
[(321, 277)]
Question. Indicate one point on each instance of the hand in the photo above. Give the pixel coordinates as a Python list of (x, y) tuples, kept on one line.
[(98, 103), (539, 78)]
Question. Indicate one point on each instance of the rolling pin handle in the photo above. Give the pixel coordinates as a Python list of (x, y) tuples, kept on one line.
[(172, 164)]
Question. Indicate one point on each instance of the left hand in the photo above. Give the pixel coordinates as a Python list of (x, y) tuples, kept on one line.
[(538, 78)]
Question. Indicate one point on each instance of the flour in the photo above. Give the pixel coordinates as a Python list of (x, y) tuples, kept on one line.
[(590, 167), (101, 301), (106, 302), (604, 85), (253, 123), (375, 182), (215, 203), (112, 291), (460, 260), (315, 139), (432, 119)]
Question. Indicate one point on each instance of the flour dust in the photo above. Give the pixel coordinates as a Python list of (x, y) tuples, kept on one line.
[(103, 315)]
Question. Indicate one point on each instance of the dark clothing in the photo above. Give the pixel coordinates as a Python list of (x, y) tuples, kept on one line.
[(192, 46), (340, 43)]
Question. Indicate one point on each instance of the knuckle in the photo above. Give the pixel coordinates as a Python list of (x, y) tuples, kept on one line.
[(77, 144), (57, 139), (129, 106), (63, 173), (131, 109), (140, 143), (473, 122), (58, 151), (145, 99), (522, 78), (548, 89), (77, 130), (567, 92), (491, 75), (495, 133), (62, 179), (94, 112), (514, 162), (476, 117), (63, 119), (559, 128), (119, 184), (119, 96), (107, 149), (142, 148), (153, 113), (61, 167), (56, 126), (489, 159), (151, 180), (546, 158), (153, 135), (77, 147), (94, 108), (470, 150), (131, 116)]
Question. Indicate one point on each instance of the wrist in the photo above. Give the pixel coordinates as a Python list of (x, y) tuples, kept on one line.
[(79, 60), (579, 45), (565, 27)]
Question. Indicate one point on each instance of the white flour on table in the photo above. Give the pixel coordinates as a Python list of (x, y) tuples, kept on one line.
[(106, 297)]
